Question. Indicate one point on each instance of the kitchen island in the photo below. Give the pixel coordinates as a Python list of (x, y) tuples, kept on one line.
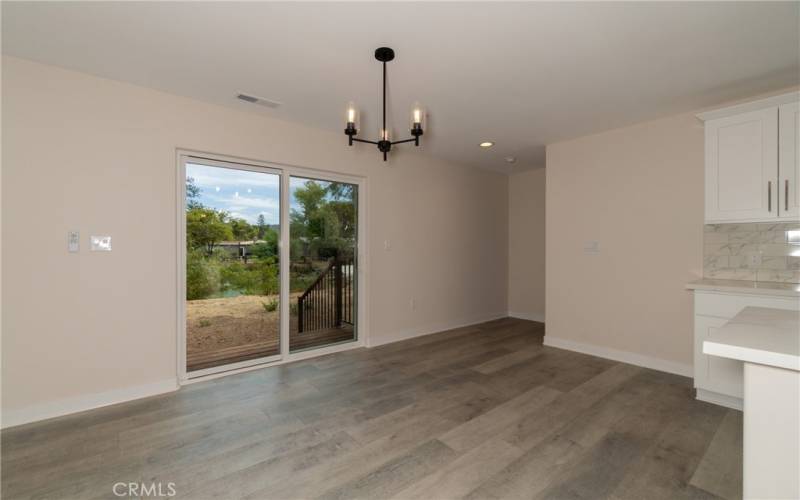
[(767, 340)]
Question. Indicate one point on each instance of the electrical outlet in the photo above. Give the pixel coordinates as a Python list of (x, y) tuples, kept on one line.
[(387, 245), (412, 304), (754, 260)]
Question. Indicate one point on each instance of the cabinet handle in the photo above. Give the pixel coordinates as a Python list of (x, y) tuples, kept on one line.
[(769, 196), (786, 195)]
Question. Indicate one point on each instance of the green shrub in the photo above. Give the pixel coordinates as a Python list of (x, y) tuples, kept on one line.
[(237, 277), (202, 275), (259, 277), (267, 276), (270, 306), (264, 250)]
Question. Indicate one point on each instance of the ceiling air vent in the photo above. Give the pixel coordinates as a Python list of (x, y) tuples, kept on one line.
[(257, 100)]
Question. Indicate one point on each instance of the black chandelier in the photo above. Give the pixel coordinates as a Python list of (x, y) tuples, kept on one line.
[(384, 55)]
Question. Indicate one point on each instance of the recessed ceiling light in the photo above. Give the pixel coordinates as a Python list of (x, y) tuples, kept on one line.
[(486, 144)]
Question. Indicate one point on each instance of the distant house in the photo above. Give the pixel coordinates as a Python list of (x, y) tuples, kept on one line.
[(240, 249)]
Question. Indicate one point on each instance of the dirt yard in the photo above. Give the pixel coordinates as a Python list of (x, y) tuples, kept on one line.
[(226, 330), (213, 324)]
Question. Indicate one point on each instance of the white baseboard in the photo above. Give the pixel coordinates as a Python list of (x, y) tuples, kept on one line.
[(720, 399), (12, 418), (430, 329), (537, 316), (632, 358)]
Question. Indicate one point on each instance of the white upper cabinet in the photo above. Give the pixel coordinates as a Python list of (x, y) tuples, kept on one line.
[(789, 160), (751, 161), (742, 166)]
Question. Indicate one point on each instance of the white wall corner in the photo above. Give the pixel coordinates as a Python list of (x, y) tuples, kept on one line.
[(431, 329), (632, 358), (535, 316), (43, 411)]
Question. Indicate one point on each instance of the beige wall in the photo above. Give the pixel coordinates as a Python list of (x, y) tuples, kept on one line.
[(638, 191), (526, 248), (98, 156)]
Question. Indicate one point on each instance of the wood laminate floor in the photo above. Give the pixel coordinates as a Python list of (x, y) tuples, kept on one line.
[(479, 412)]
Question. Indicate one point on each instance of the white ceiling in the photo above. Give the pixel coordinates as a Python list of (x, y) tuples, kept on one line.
[(520, 74)]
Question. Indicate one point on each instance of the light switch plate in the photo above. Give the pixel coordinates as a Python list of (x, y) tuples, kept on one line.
[(73, 241), (101, 243)]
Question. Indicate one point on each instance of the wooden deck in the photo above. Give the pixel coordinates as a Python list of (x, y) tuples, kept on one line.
[(319, 338), (297, 341)]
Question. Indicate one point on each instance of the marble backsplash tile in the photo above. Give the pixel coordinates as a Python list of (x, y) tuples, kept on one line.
[(752, 252)]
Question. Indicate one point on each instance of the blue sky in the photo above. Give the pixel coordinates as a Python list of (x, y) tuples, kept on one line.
[(241, 193)]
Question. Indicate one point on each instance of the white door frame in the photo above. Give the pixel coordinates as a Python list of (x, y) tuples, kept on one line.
[(285, 172)]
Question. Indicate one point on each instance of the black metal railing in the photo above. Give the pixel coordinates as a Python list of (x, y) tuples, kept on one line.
[(328, 301)]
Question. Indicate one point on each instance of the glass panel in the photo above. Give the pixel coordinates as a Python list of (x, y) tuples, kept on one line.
[(232, 274), (323, 264)]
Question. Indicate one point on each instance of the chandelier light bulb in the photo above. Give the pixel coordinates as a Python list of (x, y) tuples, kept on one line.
[(417, 121), (352, 116)]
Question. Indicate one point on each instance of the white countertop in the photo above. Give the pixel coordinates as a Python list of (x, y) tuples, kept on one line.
[(760, 335), (752, 287)]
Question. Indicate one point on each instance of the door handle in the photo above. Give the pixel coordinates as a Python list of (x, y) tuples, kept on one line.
[(769, 196)]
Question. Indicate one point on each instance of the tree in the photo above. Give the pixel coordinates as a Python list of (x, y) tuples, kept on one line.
[(310, 196), (261, 224), (192, 194), (309, 221), (341, 191), (326, 219), (205, 227), (345, 215), (242, 230)]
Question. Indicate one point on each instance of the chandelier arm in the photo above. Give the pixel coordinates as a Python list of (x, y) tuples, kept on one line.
[(413, 139), (364, 140)]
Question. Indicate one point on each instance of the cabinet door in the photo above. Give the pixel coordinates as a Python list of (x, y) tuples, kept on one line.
[(789, 158), (712, 373), (742, 167)]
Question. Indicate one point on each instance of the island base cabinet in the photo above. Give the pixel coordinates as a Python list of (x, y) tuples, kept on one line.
[(771, 433), (719, 380)]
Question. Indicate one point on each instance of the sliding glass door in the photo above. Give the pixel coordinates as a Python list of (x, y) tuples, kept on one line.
[(232, 265), (270, 264), (323, 265)]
